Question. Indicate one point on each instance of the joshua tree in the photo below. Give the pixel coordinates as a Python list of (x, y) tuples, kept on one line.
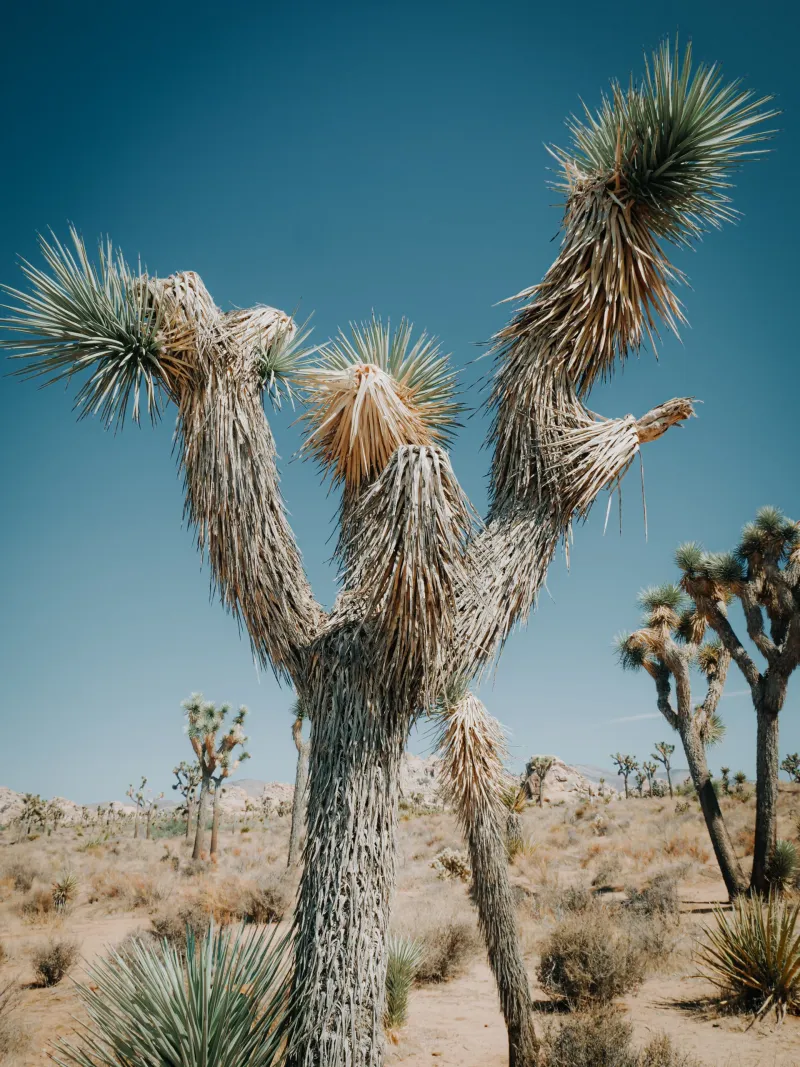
[(300, 783), (33, 811), (725, 779), (663, 754), (137, 796), (424, 593), (763, 574), (626, 765), (667, 646), (214, 756), (741, 780), (537, 768), (791, 764), (650, 774), (639, 779), (187, 777), (150, 808), (53, 813)]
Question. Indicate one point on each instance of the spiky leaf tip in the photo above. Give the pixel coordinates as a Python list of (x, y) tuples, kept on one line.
[(630, 655), (708, 657), (667, 595), (724, 568), (281, 362), (689, 558)]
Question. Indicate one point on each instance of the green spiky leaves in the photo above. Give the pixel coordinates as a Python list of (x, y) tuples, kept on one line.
[(670, 143), (98, 319)]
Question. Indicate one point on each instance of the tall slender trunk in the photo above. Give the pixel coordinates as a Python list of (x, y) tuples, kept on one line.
[(729, 865), (202, 817), (342, 917), (766, 794), (189, 807), (495, 903), (669, 782), (136, 824), (299, 804), (541, 792), (147, 827), (215, 822)]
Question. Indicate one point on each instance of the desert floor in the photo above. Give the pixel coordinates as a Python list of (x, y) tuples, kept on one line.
[(573, 850)]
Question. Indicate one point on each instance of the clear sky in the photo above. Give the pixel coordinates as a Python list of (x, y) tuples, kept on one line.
[(344, 157)]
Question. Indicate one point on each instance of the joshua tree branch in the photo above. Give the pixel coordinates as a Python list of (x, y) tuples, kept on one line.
[(720, 624)]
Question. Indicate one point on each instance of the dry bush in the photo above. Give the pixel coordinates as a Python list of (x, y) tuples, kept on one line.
[(658, 899), (267, 902), (573, 900), (13, 1035), (603, 1039), (53, 960), (447, 948), (23, 874), (608, 871), (589, 958), (38, 906), (172, 925)]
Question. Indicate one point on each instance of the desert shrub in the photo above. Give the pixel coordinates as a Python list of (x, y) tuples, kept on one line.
[(403, 961), (53, 960), (23, 875), (682, 807), (752, 955), (226, 998), (451, 864), (268, 902), (608, 871), (603, 1039), (597, 1039), (13, 1035), (38, 905), (192, 918), (783, 865), (658, 898), (446, 949), (573, 900), (588, 958)]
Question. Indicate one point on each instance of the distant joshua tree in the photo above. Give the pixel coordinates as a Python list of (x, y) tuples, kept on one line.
[(188, 779), (791, 764), (663, 754), (626, 765), (215, 756), (300, 783), (150, 808), (137, 796), (650, 770), (725, 779), (741, 781), (33, 812), (666, 647), (537, 768), (763, 575), (53, 813)]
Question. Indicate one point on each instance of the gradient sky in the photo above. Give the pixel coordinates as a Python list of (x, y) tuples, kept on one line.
[(343, 158)]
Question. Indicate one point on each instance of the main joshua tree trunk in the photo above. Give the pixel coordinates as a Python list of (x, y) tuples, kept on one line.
[(202, 818), (215, 821), (766, 794), (342, 918), (724, 851)]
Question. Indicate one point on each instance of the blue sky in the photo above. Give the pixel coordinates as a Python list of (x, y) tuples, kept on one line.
[(343, 158)]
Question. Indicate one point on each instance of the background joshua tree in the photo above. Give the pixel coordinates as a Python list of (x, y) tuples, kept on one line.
[(187, 781), (663, 754), (667, 646), (137, 796), (150, 807), (626, 765), (649, 770), (791, 764), (652, 166), (32, 813), (725, 779), (300, 783), (215, 759), (537, 769), (763, 575)]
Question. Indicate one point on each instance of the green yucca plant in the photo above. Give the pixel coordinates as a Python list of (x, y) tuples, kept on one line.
[(753, 955), (64, 890), (223, 1003), (404, 958), (783, 865)]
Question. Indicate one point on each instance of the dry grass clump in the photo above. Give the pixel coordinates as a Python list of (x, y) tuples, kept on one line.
[(13, 1036), (603, 1039), (588, 958), (447, 948), (192, 915), (38, 906), (658, 899), (51, 962), (23, 874)]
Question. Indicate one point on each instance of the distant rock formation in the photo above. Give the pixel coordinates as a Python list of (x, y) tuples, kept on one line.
[(566, 782)]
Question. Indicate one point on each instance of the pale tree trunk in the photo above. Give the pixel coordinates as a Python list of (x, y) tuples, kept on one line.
[(147, 827), (342, 917), (669, 781), (299, 803), (541, 792), (495, 904), (729, 866), (766, 794), (215, 822), (136, 824), (202, 816)]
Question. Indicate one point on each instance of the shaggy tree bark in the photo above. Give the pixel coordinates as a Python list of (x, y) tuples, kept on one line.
[(300, 794), (215, 821), (342, 918), (767, 761)]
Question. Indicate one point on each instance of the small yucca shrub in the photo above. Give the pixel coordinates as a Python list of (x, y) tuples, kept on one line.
[(404, 959), (223, 1002), (753, 956), (64, 890), (783, 865)]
